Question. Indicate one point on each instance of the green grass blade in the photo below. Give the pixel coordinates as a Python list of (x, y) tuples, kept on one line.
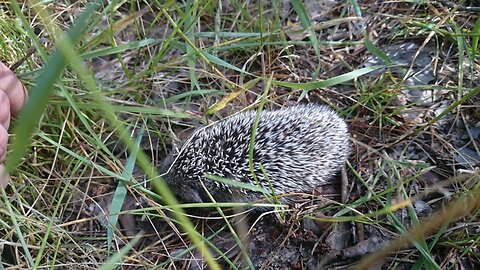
[(121, 191), (475, 38), (220, 62), (191, 17), (376, 51), (329, 82), (305, 21), (17, 228), (40, 93), (118, 49), (114, 262)]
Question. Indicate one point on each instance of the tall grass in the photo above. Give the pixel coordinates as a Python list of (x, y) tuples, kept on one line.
[(135, 76)]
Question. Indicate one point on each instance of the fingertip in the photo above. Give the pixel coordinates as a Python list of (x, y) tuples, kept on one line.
[(4, 110), (15, 90), (4, 177), (18, 98), (3, 143), (3, 67)]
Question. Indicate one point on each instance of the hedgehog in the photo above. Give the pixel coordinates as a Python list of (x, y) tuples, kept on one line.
[(295, 149)]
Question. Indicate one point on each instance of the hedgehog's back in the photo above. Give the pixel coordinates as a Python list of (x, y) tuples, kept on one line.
[(299, 148)]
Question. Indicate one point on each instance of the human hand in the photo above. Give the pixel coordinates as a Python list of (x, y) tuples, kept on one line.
[(12, 97)]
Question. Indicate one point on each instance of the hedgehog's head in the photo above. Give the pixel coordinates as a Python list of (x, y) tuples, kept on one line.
[(183, 192), (181, 188)]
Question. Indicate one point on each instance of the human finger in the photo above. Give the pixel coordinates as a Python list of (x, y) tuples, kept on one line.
[(4, 110), (3, 143), (4, 177), (11, 85)]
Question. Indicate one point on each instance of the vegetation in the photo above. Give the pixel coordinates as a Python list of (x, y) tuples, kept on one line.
[(115, 85)]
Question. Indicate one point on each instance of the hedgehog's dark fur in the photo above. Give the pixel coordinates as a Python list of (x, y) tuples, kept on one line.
[(299, 147)]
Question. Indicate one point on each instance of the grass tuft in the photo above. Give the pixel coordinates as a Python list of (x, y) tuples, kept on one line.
[(114, 86)]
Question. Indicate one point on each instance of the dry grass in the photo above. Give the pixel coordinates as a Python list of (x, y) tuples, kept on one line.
[(163, 69)]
